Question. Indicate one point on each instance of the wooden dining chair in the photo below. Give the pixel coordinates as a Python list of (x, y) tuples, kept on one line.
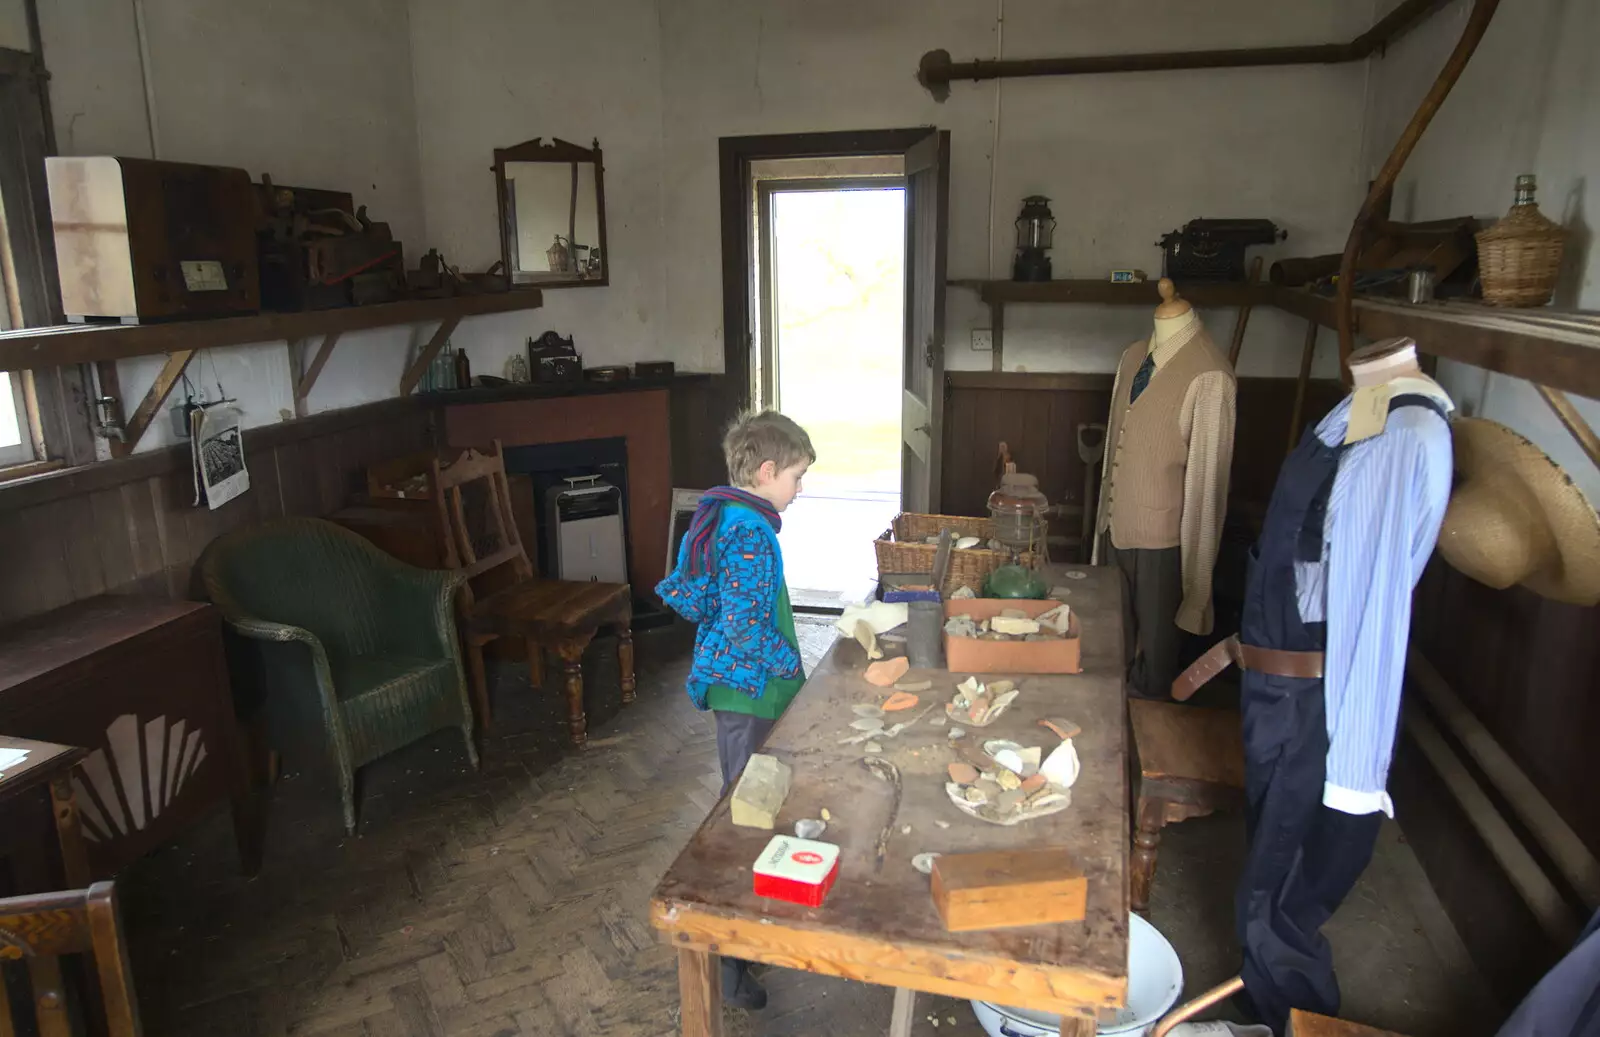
[(38, 928), (503, 597)]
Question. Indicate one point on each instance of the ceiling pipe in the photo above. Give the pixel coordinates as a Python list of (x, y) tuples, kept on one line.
[(936, 71), (1383, 183)]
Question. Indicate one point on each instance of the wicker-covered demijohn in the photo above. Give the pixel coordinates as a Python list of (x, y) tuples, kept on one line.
[(1519, 257)]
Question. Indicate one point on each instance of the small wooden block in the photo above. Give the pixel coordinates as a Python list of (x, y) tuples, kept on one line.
[(761, 791), (1004, 888)]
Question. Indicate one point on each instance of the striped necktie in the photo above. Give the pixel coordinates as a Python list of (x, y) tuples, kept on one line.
[(1141, 377)]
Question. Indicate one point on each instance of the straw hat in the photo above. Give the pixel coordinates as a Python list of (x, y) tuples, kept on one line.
[(1516, 517)]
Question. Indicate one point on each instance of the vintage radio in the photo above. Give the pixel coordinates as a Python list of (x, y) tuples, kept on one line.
[(140, 240)]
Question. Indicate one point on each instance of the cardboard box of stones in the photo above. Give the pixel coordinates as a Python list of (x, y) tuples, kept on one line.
[(1002, 635)]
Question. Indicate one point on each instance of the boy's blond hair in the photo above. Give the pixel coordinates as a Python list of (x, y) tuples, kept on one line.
[(756, 437)]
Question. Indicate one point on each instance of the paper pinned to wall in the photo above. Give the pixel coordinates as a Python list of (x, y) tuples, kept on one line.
[(217, 451)]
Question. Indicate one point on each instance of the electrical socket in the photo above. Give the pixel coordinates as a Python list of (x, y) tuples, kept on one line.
[(982, 340)]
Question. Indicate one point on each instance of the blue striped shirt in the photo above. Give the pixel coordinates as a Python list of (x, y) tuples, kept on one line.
[(1384, 511)]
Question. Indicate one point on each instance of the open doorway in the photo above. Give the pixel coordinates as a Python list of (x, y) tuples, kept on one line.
[(831, 314), (833, 282)]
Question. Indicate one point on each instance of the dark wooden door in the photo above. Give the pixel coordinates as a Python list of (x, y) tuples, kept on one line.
[(922, 403)]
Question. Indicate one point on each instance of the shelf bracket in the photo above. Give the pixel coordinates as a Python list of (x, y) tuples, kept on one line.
[(303, 383), (413, 375), (1575, 423), (160, 389)]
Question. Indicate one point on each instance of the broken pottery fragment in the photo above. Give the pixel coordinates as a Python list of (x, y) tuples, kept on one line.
[(898, 701), (868, 640), (1034, 783), (1058, 619), (866, 709), (961, 593), (873, 747), (1061, 767), (965, 543), (1060, 593), (1014, 626), (1007, 779), (1011, 760), (1030, 760), (995, 746), (1010, 800), (923, 862), (867, 724), (954, 733), (973, 794), (1001, 687), (913, 685), (989, 787), (962, 773), (887, 671), (961, 626), (894, 730), (809, 827), (1062, 727)]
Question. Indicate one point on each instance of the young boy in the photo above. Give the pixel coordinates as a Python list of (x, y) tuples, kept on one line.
[(729, 580)]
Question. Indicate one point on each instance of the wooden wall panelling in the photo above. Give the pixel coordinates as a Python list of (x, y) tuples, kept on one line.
[(130, 525), (701, 409)]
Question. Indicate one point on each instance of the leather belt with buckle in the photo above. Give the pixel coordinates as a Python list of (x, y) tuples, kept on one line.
[(1229, 651)]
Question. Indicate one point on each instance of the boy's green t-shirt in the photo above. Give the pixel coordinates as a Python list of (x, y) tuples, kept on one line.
[(780, 691)]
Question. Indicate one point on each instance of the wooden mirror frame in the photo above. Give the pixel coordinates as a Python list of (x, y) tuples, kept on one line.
[(559, 151)]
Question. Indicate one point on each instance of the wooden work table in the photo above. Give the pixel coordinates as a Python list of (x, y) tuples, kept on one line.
[(881, 926)]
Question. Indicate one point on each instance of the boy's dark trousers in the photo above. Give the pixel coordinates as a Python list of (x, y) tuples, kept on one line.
[(738, 736)]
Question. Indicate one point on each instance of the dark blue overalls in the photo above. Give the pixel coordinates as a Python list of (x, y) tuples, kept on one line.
[(1304, 858)]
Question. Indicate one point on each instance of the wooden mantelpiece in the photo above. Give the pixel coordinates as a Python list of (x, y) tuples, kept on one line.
[(642, 418)]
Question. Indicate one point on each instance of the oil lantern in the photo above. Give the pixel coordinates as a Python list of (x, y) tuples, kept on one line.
[(1035, 226)]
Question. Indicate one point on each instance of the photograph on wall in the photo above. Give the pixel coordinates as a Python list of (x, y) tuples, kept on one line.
[(217, 448)]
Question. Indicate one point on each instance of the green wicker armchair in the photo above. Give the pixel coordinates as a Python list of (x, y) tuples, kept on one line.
[(338, 639)]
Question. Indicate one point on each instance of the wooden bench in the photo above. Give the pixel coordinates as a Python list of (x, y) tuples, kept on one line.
[(1188, 763)]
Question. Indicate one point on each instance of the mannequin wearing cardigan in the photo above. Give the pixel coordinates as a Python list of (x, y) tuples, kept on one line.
[(1165, 486)]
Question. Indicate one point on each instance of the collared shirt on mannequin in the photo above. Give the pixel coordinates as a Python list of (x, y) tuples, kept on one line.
[(1384, 512)]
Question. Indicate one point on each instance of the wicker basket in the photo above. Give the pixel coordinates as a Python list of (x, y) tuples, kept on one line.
[(1519, 257), (903, 549)]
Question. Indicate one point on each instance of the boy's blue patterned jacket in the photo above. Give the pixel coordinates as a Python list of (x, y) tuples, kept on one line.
[(738, 645)]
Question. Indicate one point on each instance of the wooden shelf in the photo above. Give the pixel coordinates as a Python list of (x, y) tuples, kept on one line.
[(63, 344), (1201, 293), (1559, 349)]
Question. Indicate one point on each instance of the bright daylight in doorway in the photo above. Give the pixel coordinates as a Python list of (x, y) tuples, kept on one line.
[(838, 302)]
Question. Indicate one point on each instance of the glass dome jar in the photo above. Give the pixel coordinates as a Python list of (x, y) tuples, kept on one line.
[(1017, 509)]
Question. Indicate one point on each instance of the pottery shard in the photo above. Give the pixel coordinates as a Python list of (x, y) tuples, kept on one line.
[(1009, 800), (869, 640), (988, 788), (887, 671), (963, 773), (1007, 779), (1033, 784), (913, 685), (1014, 626), (898, 701), (866, 709), (1062, 727), (1013, 613)]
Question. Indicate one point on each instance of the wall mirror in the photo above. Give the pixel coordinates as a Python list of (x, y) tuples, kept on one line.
[(552, 214)]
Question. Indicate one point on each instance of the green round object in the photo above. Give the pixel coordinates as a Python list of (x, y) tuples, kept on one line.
[(1013, 581)]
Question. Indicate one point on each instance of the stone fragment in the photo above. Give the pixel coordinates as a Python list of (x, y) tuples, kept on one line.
[(1001, 687), (923, 862), (873, 747), (961, 593), (955, 732), (867, 709), (761, 791), (887, 671), (1010, 800), (867, 724), (913, 685), (809, 827), (1007, 779), (965, 543), (1060, 593), (988, 787), (962, 773)]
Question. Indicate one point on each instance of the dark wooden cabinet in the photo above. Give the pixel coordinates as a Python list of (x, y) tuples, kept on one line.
[(141, 683)]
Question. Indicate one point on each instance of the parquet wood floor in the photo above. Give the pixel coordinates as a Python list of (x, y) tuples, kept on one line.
[(514, 901)]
